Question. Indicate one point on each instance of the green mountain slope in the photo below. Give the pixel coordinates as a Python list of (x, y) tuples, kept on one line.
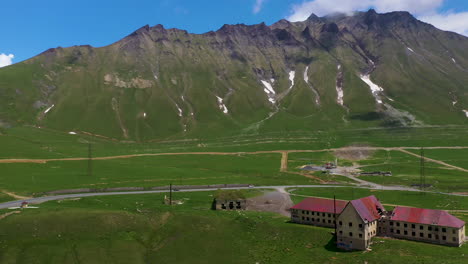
[(166, 83)]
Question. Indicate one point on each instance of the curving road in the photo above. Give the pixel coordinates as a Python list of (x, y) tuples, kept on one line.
[(282, 188)]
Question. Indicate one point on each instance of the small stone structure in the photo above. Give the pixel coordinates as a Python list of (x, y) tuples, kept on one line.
[(229, 200)]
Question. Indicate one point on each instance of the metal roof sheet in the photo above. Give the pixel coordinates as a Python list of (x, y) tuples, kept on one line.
[(320, 205), (368, 208), (425, 216)]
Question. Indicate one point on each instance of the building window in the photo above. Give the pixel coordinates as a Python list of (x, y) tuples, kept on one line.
[(334, 222), (391, 223), (360, 225), (323, 221), (313, 213), (444, 229), (437, 237), (360, 235), (397, 224), (323, 214), (405, 225), (341, 223), (341, 232), (350, 234), (453, 231), (350, 224), (453, 239), (429, 235), (444, 238), (421, 234), (421, 227), (413, 226), (398, 231), (303, 211), (302, 218), (429, 228), (405, 232), (308, 219), (391, 230), (413, 233), (329, 215), (329, 221), (436, 229)]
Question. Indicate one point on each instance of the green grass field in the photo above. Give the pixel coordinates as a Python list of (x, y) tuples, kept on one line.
[(262, 169), (140, 229)]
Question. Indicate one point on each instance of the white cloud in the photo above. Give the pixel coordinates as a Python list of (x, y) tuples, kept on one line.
[(258, 6), (6, 60), (456, 22), (425, 10)]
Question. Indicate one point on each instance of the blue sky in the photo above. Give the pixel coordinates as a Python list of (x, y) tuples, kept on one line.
[(29, 27)]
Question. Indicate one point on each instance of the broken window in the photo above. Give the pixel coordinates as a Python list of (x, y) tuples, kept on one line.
[(231, 205), (413, 233), (341, 223), (413, 226), (360, 225), (421, 227), (360, 235), (421, 234), (238, 205), (350, 224), (429, 235), (444, 238), (444, 229), (223, 206), (405, 232), (350, 234)]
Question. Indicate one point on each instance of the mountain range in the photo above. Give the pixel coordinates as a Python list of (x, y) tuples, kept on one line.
[(339, 71)]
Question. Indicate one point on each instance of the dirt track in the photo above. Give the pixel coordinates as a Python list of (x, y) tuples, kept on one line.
[(435, 161), (283, 152)]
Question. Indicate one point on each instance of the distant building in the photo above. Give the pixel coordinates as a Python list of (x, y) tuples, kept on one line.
[(357, 224), (229, 200), (24, 204), (317, 211), (358, 221)]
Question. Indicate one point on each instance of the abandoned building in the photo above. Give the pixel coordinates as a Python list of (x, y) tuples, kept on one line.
[(317, 211), (358, 221), (229, 200), (426, 225)]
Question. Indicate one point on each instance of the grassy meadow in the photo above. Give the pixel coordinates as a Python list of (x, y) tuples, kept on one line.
[(140, 229)]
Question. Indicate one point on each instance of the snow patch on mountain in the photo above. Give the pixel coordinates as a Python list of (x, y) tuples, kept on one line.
[(454, 103), (292, 74), (144, 115), (48, 109), (72, 133), (466, 112), (306, 80), (339, 86), (221, 105), (269, 91), (454, 61), (180, 110), (375, 89), (410, 49)]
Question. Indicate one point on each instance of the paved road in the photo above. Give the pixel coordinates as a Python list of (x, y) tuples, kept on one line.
[(39, 200)]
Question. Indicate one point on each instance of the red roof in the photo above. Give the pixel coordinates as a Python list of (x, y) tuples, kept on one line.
[(368, 208), (320, 205), (425, 216)]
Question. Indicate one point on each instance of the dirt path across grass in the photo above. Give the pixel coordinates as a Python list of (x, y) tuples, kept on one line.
[(14, 195), (284, 154), (435, 161)]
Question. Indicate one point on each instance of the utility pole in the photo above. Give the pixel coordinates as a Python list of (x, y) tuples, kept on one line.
[(170, 194), (422, 176), (334, 212), (90, 158)]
